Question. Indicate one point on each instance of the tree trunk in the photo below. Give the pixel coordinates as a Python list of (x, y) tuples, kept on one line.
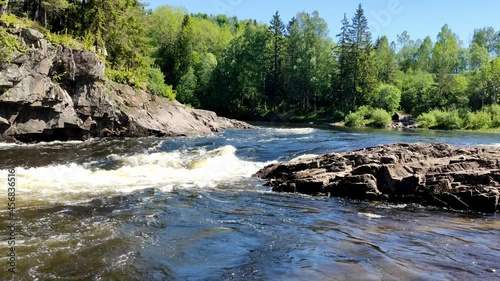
[(3, 7), (36, 9), (83, 17), (45, 23)]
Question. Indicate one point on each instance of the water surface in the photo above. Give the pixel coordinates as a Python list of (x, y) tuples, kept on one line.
[(188, 209)]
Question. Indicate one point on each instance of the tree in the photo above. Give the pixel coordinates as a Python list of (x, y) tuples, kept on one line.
[(478, 56), (445, 55), (385, 61), (165, 26), (275, 89), (361, 75), (343, 82), (310, 60), (407, 52), (417, 92), (387, 97), (423, 56), (52, 7), (491, 75), (488, 38), (238, 82), (187, 87), (184, 50)]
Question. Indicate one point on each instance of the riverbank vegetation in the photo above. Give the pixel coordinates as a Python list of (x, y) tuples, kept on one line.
[(245, 69)]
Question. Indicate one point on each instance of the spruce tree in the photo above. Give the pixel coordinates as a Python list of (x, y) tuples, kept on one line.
[(275, 89)]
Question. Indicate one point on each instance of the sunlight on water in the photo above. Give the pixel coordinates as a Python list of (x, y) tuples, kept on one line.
[(188, 209)]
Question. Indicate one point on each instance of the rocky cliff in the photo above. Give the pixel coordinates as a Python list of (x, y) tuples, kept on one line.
[(430, 174), (57, 93)]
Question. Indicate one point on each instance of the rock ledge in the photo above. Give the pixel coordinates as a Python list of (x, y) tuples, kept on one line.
[(53, 92), (460, 178)]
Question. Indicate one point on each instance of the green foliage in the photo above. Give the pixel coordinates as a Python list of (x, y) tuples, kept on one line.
[(9, 19), (477, 120), (417, 92), (494, 110), (8, 44), (121, 76), (385, 61), (187, 87), (387, 97), (447, 120), (58, 77), (427, 120), (63, 39), (309, 61), (357, 76), (446, 52), (489, 117), (156, 84), (380, 118), (365, 115), (242, 68), (354, 119), (365, 111)]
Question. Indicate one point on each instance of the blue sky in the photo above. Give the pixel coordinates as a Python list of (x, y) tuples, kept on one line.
[(386, 17)]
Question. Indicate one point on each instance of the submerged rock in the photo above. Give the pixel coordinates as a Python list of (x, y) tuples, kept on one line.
[(460, 178), (58, 93)]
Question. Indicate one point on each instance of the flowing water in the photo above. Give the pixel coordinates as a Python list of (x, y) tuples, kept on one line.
[(188, 209)]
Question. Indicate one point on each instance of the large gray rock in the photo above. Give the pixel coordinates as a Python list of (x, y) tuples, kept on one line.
[(58, 93), (76, 65), (432, 174)]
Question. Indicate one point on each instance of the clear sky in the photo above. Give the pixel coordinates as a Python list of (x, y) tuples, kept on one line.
[(386, 17)]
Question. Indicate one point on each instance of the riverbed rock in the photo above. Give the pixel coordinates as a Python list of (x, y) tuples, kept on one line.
[(52, 92), (461, 178)]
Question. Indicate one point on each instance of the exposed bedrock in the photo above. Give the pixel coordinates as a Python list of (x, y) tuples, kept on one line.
[(53, 92), (461, 178)]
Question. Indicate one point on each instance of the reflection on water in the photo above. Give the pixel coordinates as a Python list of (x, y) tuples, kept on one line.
[(168, 209)]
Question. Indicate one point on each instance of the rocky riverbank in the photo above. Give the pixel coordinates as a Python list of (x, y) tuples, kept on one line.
[(52, 92), (459, 178)]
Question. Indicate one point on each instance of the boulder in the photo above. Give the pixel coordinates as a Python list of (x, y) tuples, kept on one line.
[(58, 93), (461, 178)]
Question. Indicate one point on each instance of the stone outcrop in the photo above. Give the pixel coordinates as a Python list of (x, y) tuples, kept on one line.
[(53, 92), (459, 178)]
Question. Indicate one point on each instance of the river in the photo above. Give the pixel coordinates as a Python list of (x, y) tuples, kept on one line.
[(188, 209)]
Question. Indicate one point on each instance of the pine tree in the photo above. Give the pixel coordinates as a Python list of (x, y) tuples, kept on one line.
[(363, 60), (184, 50), (358, 75), (275, 89), (343, 82)]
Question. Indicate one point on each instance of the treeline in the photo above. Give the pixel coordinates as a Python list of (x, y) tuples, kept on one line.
[(243, 69)]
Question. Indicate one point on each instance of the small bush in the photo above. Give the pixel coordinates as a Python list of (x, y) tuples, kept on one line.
[(448, 120), (365, 111), (122, 76), (354, 119), (8, 44), (64, 39), (427, 120), (380, 118), (494, 110), (156, 84), (478, 120)]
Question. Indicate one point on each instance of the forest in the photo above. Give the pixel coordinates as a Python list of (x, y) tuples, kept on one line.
[(245, 69)]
